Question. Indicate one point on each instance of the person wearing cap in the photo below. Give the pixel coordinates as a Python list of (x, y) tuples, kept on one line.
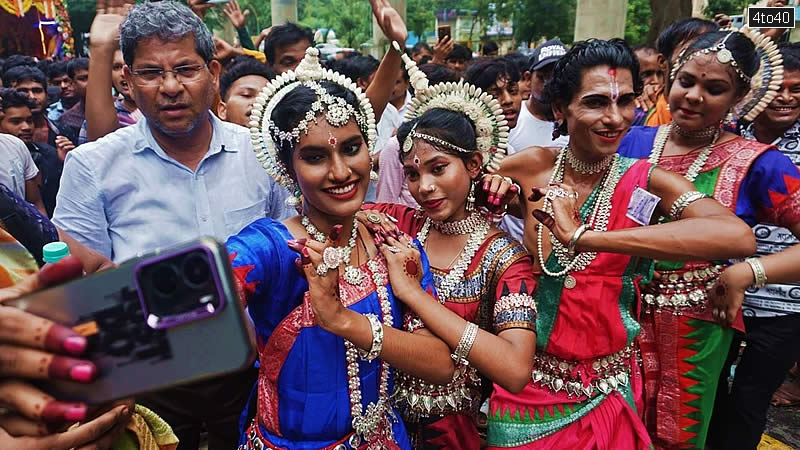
[(533, 128)]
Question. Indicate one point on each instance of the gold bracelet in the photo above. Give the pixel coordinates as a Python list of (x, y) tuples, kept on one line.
[(759, 273), (461, 351)]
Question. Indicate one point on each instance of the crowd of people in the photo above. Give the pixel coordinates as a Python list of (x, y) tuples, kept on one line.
[(436, 250)]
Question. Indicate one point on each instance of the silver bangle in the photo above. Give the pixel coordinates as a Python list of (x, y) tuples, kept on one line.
[(573, 242), (759, 273), (683, 202), (461, 351), (377, 339)]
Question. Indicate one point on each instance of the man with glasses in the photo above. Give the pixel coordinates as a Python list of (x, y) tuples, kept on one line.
[(177, 174)]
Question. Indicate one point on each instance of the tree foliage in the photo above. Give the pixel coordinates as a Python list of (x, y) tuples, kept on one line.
[(729, 7), (637, 22), (536, 19)]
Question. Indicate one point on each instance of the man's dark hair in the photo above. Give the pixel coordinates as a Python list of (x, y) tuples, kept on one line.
[(12, 98), (242, 68), (355, 67), (490, 47), (24, 73), (523, 62), (77, 64), (461, 53), (18, 60), (420, 46), (645, 48), (286, 34), (791, 55), (437, 73), (484, 73), (682, 31), (568, 71), (57, 69)]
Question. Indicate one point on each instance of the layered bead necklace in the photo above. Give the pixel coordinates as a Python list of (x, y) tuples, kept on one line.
[(374, 421), (352, 275), (661, 141), (368, 423), (598, 219), (475, 224)]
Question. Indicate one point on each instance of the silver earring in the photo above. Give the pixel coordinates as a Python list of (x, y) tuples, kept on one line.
[(729, 121), (471, 197), (373, 176)]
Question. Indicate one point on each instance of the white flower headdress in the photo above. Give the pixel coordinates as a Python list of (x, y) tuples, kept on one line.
[(266, 135), (764, 84), (485, 112)]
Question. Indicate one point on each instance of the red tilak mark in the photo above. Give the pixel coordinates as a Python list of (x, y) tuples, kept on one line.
[(612, 72)]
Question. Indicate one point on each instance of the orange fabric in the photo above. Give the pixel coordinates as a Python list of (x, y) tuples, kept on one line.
[(661, 115)]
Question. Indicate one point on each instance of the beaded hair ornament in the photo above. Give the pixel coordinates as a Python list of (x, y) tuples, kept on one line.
[(764, 84), (267, 136), (485, 112)]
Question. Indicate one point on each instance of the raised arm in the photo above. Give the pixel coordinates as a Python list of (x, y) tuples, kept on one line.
[(101, 115), (388, 71)]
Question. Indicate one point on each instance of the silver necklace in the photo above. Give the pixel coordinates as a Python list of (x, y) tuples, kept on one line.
[(479, 232), (661, 141), (463, 226), (598, 218), (375, 421), (352, 275), (585, 168)]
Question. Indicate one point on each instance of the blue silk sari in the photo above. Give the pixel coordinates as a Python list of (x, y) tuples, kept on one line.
[(303, 399)]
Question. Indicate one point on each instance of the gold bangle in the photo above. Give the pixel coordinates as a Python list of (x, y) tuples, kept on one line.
[(759, 273)]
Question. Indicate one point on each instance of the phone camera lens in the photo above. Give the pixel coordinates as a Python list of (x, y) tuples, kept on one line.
[(196, 272), (165, 280)]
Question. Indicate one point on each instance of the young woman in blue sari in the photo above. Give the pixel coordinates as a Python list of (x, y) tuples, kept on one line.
[(317, 286)]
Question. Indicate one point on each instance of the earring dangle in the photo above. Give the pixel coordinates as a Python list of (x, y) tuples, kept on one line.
[(471, 197), (373, 175), (729, 121)]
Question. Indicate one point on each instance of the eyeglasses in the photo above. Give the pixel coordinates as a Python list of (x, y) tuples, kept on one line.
[(154, 77)]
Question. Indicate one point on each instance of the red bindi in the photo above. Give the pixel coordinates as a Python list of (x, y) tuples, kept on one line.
[(612, 72)]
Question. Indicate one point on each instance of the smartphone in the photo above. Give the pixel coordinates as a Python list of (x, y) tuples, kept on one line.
[(158, 321), (443, 31)]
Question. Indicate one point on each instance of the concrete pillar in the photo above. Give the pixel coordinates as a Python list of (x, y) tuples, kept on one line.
[(698, 8), (283, 11), (379, 41), (601, 19)]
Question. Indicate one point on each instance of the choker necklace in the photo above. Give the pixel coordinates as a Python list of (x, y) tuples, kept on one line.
[(703, 133), (662, 136), (464, 226), (479, 229), (585, 168), (352, 275)]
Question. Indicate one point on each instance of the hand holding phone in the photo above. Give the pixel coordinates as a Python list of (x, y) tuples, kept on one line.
[(443, 32), (159, 321)]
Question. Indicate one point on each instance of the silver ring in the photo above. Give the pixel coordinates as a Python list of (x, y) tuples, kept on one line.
[(412, 246), (573, 195), (322, 269), (393, 249), (332, 257)]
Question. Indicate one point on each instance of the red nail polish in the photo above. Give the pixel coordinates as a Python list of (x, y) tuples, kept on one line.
[(485, 185), (490, 200), (75, 413), (306, 259), (497, 201), (82, 372), (75, 344)]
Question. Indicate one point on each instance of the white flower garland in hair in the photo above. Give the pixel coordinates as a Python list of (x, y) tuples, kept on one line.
[(308, 73), (485, 112)]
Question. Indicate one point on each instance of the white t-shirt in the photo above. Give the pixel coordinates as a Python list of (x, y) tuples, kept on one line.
[(531, 131), (391, 119), (16, 164)]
